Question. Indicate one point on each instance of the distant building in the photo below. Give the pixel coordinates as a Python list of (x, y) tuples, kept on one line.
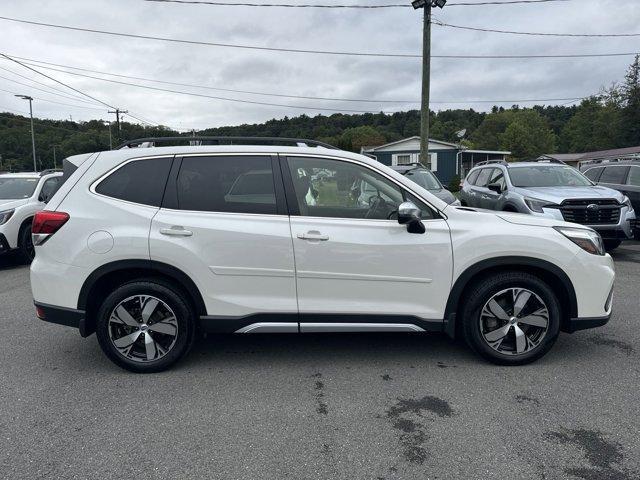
[(579, 159), (445, 159)]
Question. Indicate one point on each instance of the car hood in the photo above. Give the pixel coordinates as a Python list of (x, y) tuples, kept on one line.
[(560, 194), (444, 195), (518, 218), (10, 204)]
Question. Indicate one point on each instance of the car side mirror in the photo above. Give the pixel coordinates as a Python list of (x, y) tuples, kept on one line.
[(495, 187), (410, 215)]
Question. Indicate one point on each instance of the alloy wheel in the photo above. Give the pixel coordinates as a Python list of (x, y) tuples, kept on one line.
[(143, 328), (514, 321)]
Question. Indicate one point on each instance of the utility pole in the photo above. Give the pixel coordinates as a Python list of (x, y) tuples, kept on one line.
[(55, 163), (426, 73), (118, 112), (33, 135)]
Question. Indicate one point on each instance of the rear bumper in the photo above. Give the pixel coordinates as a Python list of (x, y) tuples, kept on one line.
[(68, 317), (577, 324)]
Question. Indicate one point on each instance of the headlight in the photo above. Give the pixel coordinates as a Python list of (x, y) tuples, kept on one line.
[(626, 202), (536, 205), (5, 216), (588, 240)]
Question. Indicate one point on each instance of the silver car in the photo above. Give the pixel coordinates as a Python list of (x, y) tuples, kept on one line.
[(551, 189), (427, 180)]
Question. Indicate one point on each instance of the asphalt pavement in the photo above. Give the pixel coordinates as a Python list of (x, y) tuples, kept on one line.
[(327, 406)]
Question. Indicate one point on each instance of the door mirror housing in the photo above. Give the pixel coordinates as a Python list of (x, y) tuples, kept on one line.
[(495, 187), (410, 215)]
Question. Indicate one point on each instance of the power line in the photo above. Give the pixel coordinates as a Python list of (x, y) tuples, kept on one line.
[(180, 92), (53, 101), (61, 93), (347, 6), (57, 81), (47, 92), (329, 52), (582, 35)]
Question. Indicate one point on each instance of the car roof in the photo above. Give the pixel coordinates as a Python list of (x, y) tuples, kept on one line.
[(407, 168), (20, 175)]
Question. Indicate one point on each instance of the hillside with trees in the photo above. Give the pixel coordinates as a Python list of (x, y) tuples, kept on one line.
[(609, 119)]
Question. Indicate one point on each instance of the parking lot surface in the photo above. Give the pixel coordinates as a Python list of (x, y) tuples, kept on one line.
[(320, 406)]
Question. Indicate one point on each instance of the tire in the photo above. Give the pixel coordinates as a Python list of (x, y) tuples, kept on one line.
[(25, 243), (482, 319), (610, 245), (148, 342)]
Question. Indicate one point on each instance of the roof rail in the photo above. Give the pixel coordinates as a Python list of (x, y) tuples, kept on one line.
[(488, 162), (151, 141), (546, 160), (50, 170), (609, 160)]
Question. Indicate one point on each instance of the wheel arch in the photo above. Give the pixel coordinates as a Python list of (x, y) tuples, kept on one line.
[(547, 271), (107, 277)]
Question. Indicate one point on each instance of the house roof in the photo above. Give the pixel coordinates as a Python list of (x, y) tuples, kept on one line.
[(602, 154), (404, 140)]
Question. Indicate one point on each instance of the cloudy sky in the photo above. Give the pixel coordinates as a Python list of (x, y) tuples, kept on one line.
[(455, 83)]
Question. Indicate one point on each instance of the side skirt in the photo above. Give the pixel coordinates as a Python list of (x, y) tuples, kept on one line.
[(312, 323)]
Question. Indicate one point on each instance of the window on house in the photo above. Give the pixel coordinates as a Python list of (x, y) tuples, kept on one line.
[(403, 159)]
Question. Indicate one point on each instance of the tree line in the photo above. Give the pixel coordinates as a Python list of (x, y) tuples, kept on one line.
[(609, 119)]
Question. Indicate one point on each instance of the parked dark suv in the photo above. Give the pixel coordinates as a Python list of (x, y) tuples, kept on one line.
[(623, 176)]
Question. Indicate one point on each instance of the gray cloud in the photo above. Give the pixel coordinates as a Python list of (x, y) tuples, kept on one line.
[(397, 31)]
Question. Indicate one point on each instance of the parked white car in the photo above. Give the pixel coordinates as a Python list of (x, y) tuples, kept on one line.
[(146, 246), (21, 196)]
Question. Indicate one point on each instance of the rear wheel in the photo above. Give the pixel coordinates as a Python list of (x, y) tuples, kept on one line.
[(610, 245), (145, 326), (25, 243), (511, 318)]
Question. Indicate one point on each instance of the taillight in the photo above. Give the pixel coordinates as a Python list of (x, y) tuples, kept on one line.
[(47, 223)]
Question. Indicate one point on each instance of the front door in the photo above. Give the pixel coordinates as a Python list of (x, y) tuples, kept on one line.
[(354, 263), (223, 223)]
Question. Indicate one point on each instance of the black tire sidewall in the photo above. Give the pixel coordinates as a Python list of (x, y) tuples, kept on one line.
[(23, 239), (484, 290), (184, 315)]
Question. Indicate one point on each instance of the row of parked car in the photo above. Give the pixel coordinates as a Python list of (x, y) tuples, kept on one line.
[(604, 198)]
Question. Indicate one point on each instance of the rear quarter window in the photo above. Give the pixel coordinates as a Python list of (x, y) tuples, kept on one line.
[(139, 181), (616, 175)]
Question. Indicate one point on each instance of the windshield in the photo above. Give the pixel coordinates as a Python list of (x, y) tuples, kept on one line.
[(547, 176), (425, 179), (17, 188)]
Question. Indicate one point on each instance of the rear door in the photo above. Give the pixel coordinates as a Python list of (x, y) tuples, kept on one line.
[(353, 258), (224, 223), (632, 188)]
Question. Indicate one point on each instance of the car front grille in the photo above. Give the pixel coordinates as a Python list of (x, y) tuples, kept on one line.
[(591, 212)]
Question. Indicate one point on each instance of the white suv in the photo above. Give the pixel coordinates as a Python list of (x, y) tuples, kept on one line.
[(147, 246), (21, 196)]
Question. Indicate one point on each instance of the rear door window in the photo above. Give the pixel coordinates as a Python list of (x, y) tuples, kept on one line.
[(473, 176), (231, 184), (634, 176), (139, 181), (593, 174), (483, 178), (616, 175)]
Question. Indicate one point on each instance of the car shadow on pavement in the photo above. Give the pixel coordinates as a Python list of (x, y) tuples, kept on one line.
[(10, 261), (627, 252)]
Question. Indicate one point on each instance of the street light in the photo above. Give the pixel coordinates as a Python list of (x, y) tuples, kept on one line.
[(33, 137)]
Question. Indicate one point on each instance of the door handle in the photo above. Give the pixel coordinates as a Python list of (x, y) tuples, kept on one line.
[(313, 236), (176, 232)]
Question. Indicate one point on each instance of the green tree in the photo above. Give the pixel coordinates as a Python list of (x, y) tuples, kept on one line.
[(630, 93), (597, 125), (354, 139), (528, 135)]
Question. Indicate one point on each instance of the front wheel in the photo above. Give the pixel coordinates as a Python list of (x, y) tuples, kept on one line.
[(145, 326), (511, 318)]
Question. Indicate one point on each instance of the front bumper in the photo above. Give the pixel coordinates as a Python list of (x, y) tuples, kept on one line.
[(68, 317), (623, 230)]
